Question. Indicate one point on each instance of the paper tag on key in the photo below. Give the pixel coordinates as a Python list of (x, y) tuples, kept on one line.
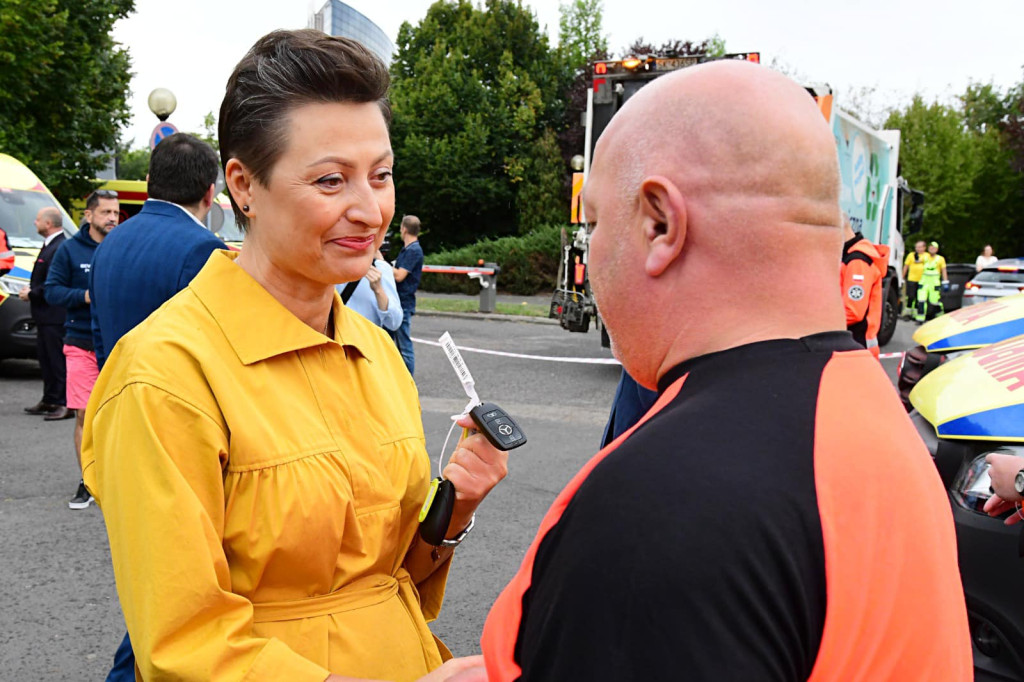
[(459, 365)]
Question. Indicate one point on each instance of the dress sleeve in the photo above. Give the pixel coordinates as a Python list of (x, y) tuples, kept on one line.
[(154, 462)]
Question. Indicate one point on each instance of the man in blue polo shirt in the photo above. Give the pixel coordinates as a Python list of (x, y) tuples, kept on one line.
[(408, 269), (161, 248)]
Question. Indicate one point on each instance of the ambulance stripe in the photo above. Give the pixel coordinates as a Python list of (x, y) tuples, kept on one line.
[(1005, 423), (980, 337)]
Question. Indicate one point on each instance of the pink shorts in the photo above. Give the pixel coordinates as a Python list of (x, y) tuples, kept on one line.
[(82, 373)]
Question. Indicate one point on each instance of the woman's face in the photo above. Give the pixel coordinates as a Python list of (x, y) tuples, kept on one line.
[(329, 198), (987, 251)]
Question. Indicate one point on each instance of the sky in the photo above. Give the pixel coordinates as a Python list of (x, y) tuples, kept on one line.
[(889, 50)]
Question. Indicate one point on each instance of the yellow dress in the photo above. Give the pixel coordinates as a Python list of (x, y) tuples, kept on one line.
[(260, 485)]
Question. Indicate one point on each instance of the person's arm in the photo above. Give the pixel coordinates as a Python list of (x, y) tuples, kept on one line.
[(391, 317), (474, 469), (155, 464), (858, 278), (979, 264), (58, 289), (945, 277), (1002, 470), (906, 268)]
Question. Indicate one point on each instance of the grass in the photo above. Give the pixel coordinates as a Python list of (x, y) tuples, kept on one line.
[(457, 305)]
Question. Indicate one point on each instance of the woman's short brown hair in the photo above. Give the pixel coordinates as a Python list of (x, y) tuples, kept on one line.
[(285, 70)]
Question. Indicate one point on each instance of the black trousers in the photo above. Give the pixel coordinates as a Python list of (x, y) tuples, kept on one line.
[(50, 346)]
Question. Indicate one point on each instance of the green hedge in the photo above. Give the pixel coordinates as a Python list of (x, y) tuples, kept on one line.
[(529, 263)]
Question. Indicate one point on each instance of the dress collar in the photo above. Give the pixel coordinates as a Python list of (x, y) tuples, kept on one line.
[(255, 323)]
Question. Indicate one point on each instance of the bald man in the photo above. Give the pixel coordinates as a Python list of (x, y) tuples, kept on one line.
[(749, 527)]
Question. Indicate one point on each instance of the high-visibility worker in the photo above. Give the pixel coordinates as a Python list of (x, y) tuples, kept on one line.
[(913, 268), (6, 254), (933, 282), (862, 277)]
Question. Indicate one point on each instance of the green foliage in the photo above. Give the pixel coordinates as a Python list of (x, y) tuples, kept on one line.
[(529, 263), (63, 88), (475, 97), (579, 33), (133, 164), (962, 158)]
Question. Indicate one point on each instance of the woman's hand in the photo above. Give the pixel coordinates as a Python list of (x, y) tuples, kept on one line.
[(468, 669), (474, 469)]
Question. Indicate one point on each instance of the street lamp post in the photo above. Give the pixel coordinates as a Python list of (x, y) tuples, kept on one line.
[(162, 102)]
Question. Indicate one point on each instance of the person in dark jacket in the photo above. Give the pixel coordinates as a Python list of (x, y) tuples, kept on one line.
[(157, 252), (67, 285), (49, 320)]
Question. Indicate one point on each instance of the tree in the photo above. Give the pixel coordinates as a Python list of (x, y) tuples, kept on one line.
[(579, 33), (475, 96), (63, 88), (963, 157), (132, 164)]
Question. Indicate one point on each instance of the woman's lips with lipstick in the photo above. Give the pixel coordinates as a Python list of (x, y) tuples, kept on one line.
[(356, 243)]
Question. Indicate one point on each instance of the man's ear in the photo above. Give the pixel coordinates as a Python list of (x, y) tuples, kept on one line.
[(208, 198), (239, 183), (663, 212)]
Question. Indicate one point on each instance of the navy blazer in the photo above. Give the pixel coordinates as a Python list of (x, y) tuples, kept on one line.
[(43, 312), (140, 265)]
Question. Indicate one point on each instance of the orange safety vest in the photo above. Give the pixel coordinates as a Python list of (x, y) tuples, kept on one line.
[(862, 278), (6, 254)]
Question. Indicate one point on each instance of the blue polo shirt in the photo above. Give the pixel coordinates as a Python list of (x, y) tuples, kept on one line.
[(410, 258)]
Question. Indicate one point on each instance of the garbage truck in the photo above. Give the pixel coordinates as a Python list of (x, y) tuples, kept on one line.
[(878, 201)]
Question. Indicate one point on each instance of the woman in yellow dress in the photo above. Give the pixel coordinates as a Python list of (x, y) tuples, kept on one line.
[(256, 448)]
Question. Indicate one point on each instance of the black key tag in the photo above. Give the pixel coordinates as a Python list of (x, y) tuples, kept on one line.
[(436, 513)]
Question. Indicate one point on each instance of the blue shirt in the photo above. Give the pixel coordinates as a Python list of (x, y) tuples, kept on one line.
[(140, 265), (364, 302), (410, 258)]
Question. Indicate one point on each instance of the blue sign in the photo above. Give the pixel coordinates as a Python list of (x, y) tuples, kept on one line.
[(162, 130)]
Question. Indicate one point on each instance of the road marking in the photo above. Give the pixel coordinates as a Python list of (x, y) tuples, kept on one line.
[(580, 361), (549, 358)]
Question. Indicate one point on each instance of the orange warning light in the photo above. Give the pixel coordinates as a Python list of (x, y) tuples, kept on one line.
[(600, 68)]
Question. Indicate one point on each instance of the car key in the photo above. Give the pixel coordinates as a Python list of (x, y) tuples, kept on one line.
[(497, 426)]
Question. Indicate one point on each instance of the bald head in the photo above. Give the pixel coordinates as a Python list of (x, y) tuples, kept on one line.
[(734, 130), (728, 173), (48, 220)]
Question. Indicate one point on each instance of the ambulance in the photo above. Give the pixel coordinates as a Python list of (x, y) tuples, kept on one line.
[(966, 393), (22, 194)]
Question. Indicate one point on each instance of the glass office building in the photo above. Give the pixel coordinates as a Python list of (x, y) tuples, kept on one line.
[(338, 19)]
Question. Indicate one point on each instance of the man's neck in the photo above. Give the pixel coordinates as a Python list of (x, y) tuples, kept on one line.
[(96, 235), (410, 240)]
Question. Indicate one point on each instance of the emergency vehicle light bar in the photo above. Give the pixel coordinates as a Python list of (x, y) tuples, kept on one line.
[(648, 63)]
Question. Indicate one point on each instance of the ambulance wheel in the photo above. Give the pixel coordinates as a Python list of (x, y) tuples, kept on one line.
[(890, 313)]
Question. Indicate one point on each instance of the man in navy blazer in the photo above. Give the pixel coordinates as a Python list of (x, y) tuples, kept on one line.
[(150, 258), (49, 320), (156, 253)]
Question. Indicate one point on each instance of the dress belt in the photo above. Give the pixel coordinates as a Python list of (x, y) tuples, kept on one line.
[(355, 595)]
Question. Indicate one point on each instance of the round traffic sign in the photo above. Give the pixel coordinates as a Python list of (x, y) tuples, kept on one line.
[(162, 130)]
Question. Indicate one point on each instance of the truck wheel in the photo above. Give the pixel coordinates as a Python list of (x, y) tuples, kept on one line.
[(890, 313)]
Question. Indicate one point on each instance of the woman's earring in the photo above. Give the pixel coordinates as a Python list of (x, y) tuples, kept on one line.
[(245, 208)]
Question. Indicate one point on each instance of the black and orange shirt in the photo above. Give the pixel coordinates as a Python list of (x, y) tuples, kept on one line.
[(774, 517)]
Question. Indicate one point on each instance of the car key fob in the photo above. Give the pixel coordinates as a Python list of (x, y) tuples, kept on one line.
[(436, 513), (497, 426)]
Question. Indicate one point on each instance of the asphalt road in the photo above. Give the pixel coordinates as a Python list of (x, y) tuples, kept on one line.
[(59, 615)]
